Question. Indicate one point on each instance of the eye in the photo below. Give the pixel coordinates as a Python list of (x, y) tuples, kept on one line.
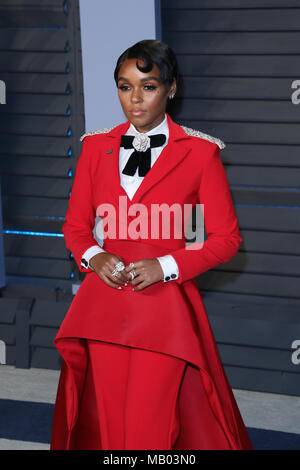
[(123, 87), (150, 87)]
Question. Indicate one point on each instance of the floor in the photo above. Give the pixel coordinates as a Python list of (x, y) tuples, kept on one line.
[(27, 398)]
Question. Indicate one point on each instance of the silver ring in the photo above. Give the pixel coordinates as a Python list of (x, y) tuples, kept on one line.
[(132, 274), (118, 267)]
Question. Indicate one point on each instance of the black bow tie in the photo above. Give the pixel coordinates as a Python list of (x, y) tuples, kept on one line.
[(140, 159)]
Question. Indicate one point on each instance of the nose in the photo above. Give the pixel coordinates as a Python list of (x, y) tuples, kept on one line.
[(136, 96)]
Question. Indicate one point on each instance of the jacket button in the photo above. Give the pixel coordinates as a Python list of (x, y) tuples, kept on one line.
[(173, 276), (167, 278)]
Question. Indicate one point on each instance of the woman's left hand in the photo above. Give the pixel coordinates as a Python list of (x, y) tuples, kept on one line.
[(147, 271)]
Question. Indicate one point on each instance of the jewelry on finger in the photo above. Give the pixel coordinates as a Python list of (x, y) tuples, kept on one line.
[(118, 267), (131, 265), (132, 274)]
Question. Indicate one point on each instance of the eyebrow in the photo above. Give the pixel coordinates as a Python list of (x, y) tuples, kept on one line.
[(142, 79)]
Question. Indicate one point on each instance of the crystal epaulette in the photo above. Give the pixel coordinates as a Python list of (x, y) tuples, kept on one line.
[(98, 131), (196, 133)]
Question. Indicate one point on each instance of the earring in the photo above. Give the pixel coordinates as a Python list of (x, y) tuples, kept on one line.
[(171, 96)]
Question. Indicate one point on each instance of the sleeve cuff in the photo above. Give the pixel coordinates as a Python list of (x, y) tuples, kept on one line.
[(88, 254), (169, 267)]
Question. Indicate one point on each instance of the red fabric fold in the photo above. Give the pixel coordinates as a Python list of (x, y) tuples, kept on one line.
[(167, 318)]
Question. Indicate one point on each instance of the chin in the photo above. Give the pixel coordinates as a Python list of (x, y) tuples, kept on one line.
[(139, 121)]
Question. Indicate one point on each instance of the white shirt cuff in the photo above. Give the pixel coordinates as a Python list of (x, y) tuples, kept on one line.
[(90, 252), (169, 267)]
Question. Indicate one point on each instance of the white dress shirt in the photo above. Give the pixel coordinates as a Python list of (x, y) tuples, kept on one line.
[(130, 185)]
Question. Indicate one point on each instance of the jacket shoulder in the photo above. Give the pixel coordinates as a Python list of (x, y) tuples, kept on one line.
[(202, 135), (105, 130)]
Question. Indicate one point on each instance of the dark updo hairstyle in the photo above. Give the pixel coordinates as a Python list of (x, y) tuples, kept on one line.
[(151, 51)]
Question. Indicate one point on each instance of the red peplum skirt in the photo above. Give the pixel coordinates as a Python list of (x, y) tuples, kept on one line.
[(166, 317)]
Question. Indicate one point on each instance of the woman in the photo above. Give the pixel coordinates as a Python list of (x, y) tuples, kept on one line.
[(140, 367)]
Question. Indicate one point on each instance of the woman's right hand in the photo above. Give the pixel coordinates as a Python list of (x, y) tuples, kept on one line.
[(104, 264)]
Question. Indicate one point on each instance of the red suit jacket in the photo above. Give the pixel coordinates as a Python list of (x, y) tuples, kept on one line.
[(167, 317)]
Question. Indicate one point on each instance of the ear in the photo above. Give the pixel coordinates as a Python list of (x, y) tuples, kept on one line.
[(173, 88)]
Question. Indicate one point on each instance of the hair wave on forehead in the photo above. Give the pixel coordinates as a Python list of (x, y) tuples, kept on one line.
[(151, 51)]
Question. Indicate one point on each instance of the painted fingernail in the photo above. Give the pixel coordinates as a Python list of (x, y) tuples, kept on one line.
[(119, 287)]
